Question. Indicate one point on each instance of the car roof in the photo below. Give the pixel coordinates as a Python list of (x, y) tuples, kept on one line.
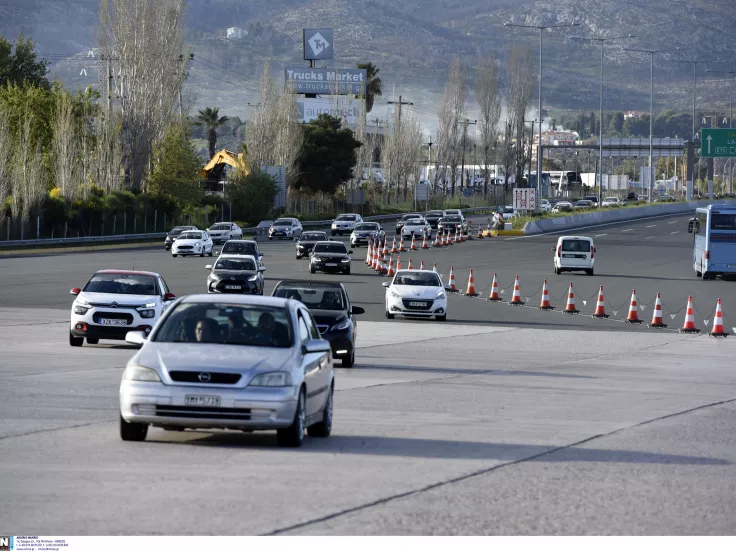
[(237, 257), (311, 283), (413, 270), (329, 242), (129, 272), (575, 238), (241, 241), (262, 300)]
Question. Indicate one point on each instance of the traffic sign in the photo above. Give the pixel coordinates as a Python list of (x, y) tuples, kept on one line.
[(718, 142), (525, 199)]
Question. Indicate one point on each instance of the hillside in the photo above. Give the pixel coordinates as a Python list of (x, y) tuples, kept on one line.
[(413, 41)]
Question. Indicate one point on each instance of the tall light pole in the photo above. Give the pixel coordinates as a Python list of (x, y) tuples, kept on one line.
[(651, 112), (602, 41), (541, 29)]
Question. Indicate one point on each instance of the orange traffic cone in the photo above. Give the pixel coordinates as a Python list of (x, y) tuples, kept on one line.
[(494, 296), (451, 284), (434, 268), (425, 245), (470, 292), (401, 244), (385, 248), (480, 232), (458, 238), (398, 262), (409, 267), (391, 272), (633, 317), (600, 307), (657, 319), (570, 307), (384, 264), (368, 254), (437, 240), (413, 246), (689, 326), (545, 298), (421, 266), (470, 230), (516, 298), (718, 329), (393, 246)]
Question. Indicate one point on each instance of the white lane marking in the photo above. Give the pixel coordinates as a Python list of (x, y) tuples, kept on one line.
[(673, 221), (600, 235), (651, 237), (676, 232), (651, 226), (628, 230)]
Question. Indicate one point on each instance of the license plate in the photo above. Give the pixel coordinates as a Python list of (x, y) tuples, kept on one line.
[(202, 400), (233, 287), (112, 322), (330, 264), (417, 304)]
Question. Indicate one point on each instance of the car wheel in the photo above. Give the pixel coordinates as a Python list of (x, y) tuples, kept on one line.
[(349, 361), (558, 271), (347, 270), (211, 252), (441, 317), (293, 436), (389, 315), (202, 253), (173, 255), (332, 233), (311, 269), (132, 431), (298, 257), (589, 271), (92, 341), (323, 428), (270, 238), (75, 341)]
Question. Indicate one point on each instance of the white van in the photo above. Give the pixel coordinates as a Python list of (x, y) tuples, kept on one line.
[(574, 253)]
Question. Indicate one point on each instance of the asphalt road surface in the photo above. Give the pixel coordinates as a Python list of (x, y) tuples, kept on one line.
[(489, 423)]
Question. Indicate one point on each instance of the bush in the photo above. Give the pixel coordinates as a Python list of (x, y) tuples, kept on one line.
[(252, 196)]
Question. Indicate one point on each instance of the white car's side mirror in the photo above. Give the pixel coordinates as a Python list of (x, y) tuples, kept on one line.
[(386, 284)]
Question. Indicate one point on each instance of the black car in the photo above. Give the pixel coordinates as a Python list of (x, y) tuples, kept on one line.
[(242, 247), (403, 219), (171, 236), (235, 274), (433, 218), (306, 243), (330, 256), (330, 306)]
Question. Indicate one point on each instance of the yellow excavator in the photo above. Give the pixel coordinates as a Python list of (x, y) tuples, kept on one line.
[(212, 171)]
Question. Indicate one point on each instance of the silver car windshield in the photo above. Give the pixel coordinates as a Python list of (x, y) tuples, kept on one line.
[(125, 284), (227, 324), (191, 236), (418, 279), (237, 248), (367, 226), (314, 298), (235, 264), (220, 227)]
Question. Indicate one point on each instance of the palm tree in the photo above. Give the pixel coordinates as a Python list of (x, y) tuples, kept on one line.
[(209, 117), (373, 84)]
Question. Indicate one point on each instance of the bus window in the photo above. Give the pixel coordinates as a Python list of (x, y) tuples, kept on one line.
[(723, 221)]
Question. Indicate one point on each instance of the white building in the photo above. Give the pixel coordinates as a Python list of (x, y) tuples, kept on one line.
[(235, 32)]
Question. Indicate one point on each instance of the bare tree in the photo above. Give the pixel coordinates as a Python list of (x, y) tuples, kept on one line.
[(402, 150), (450, 129), (489, 101), (521, 86), (143, 42), (6, 161), (28, 185), (65, 147)]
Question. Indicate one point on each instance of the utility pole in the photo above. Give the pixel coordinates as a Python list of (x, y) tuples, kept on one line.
[(399, 103), (465, 124), (182, 76)]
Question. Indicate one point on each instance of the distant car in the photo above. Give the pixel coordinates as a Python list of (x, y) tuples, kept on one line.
[(452, 223), (192, 242), (235, 274), (306, 242), (642, 198), (330, 256), (418, 227), (545, 206), (224, 231), (583, 204), (416, 293), (241, 363), (508, 212), (457, 212), (665, 198), (433, 217), (592, 198), (574, 253), (242, 247), (174, 233), (330, 306), (113, 302), (345, 224), (285, 228), (610, 202), (562, 206), (403, 219), (365, 231), (631, 196)]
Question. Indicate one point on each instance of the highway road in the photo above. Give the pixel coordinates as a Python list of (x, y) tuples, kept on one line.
[(503, 420)]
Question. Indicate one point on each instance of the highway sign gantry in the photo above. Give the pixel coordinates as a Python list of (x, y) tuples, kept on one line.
[(718, 142)]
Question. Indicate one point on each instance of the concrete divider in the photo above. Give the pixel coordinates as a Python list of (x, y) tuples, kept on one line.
[(571, 222)]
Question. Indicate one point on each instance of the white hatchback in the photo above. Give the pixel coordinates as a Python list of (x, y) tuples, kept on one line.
[(574, 253), (417, 293)]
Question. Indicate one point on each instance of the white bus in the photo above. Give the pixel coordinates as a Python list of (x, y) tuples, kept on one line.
[(714, 240)]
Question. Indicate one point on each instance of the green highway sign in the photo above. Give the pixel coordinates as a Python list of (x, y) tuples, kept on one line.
[(718, 142)]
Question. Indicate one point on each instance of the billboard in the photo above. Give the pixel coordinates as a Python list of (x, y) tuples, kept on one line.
[(318, 44), (325, 80), (341, 107)]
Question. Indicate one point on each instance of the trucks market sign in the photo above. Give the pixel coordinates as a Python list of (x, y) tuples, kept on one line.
[(326, 81)]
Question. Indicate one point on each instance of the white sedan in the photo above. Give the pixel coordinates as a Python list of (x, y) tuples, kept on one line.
[(192, 242), (610, 202), (242, 363), (416, 293), (562, 206), (418, 227)]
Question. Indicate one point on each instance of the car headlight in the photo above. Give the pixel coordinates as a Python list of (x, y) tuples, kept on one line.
[(253, 278), (345, 261), (344, 325), (80, 309), (147, 313), (441, 294), (140, 373), (317, 259), (271, 379), (395, 295)]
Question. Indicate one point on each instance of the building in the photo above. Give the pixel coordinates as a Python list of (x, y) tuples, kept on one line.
[(235, 32), (555, 138), (635, 114)]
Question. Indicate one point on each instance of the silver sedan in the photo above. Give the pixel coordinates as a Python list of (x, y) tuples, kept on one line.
[(237, 362)]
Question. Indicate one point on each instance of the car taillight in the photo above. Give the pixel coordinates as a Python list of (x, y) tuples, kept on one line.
[(707, 255), (559, 249), (592, 253)]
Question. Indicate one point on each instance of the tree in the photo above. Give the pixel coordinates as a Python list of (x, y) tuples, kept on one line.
[(489, 101), (328, 156), (19, 64), (521, 86), (402, 150), (66, 147), (209, 118), (252, 196), (176, 172), (6, 158), (449, 131), (373, 85)]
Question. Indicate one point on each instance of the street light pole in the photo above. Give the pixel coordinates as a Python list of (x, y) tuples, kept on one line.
[(602, 41), (541, 29), (730, 117), (651, 113)]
